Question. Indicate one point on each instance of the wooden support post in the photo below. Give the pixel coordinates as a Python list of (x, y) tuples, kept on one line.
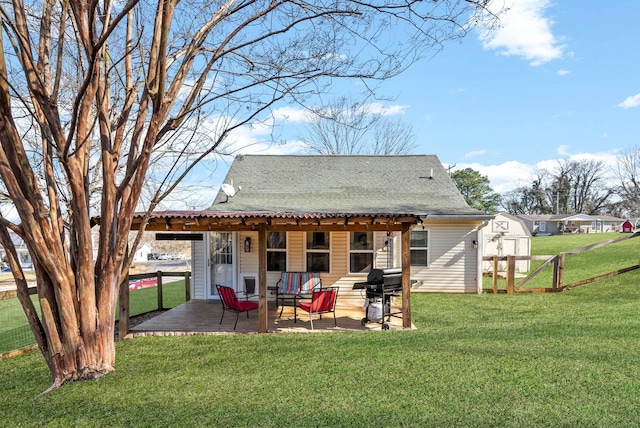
[(511, 274), (123, 316), (160, 302), (554, 283), (561, 257), (263, 313), (406, 275), (187, 286), (494, 278)]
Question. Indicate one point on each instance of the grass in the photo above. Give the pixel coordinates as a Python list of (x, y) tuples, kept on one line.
[(579, 266), (562, 359), (14, 329), (15, 332), (146, 299)]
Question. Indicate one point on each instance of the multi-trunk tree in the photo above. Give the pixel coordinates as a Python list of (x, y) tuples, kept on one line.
[(99, 98), (349, 127), (572, 187)]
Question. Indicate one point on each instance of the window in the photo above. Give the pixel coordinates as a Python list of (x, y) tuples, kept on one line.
[(318, 251), (222, 248), (420, 248), (360, 252), (276, 251), (500, 226)]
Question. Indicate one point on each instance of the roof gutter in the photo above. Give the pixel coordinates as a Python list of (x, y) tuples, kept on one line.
[(457, 217)]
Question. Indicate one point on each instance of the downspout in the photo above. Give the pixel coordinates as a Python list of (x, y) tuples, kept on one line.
[(479, 253)]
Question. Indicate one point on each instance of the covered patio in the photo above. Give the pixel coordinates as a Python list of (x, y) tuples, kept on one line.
[(262, 223), (202, 317)]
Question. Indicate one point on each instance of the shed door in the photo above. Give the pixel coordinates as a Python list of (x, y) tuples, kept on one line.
[(221, 264), (509, 247)]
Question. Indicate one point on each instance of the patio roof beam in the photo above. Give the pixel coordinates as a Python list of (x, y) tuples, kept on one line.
[(281, 227)]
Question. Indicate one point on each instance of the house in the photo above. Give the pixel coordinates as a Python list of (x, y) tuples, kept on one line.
[(24, 257), (506, 235), (337, 215), (627, 227), (552, 224), (142, 252)]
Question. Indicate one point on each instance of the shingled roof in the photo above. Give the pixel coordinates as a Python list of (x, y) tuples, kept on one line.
[(333, 185)]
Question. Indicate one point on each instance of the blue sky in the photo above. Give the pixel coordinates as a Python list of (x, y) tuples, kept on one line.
[(559, 80)]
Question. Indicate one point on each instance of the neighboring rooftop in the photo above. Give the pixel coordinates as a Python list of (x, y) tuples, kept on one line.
[(570, 217)]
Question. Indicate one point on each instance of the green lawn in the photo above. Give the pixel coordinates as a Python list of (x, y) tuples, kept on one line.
[(15, 332), (562, 359), (578, 266)]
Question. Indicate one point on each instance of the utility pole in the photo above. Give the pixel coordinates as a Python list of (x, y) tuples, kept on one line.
[(449, 168)]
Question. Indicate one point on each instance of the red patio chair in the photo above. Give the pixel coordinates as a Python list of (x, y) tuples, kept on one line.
[(322, 301), (230, 302)]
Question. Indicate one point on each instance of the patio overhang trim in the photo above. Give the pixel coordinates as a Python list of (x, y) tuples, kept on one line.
[(200, 221)]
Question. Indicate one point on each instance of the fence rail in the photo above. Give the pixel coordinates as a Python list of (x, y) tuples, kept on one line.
[(558, 262), (16, 336)]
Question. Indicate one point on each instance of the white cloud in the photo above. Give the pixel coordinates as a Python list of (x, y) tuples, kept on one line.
[(475, 153), (563, 150), (505, 176), (630, 101), (291, 114), (562, 72), (393, 110), (510, 175), (524, 31)]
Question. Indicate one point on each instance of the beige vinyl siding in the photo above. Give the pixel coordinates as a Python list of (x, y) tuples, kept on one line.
[(452, 260), (296, 243), (339, 275), (339, 253), (247, 262), (381, 260)]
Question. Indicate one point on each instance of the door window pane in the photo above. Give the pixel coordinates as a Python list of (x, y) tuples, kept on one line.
[(221, 248)]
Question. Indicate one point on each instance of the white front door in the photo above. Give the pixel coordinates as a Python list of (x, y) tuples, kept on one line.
[(221, 261)]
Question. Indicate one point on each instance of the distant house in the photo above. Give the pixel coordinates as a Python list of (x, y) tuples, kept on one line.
[(552, 224), (506, 235), (23, 253), (142, 253)]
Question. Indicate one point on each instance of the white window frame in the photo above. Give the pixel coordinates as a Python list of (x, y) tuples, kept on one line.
[(360, 251), (317, 251), (427, 248), (279, 250)]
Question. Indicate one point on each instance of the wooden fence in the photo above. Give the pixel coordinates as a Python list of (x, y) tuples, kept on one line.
[(558, 262)]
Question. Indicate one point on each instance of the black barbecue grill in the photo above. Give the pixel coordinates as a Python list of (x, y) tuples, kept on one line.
[(381, 285)]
